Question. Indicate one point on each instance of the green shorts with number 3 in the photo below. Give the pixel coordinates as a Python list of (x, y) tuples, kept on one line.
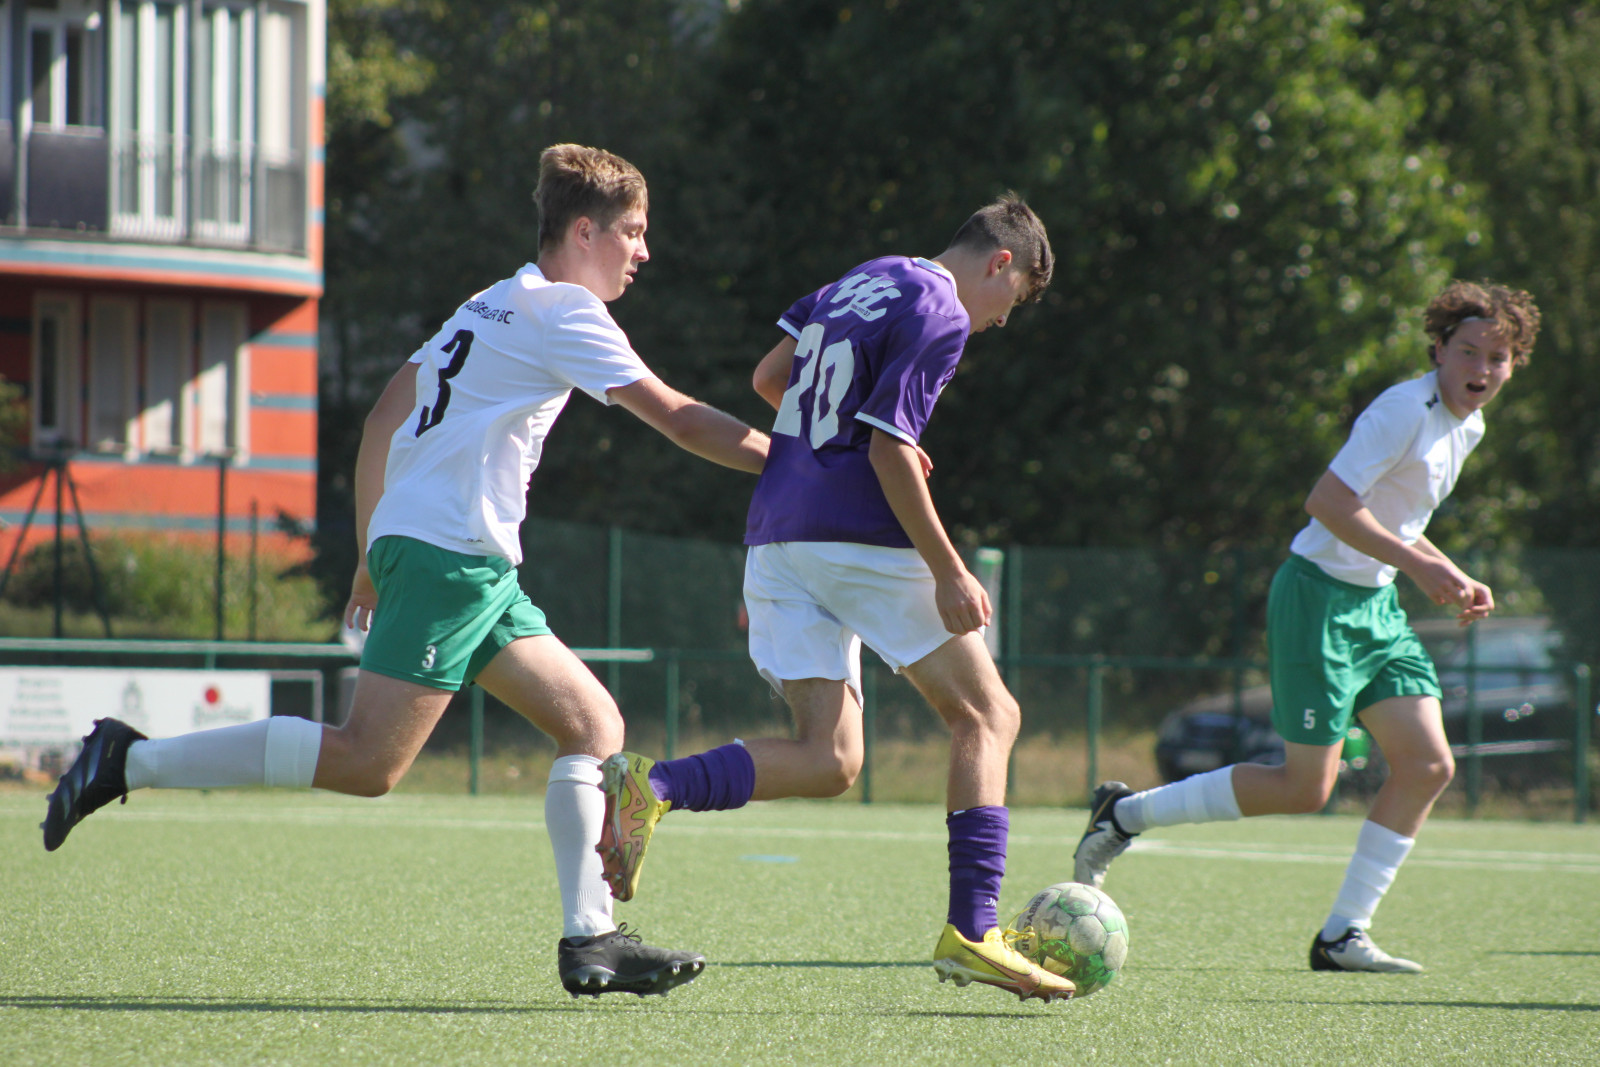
[(442, 615), (1337, 648)]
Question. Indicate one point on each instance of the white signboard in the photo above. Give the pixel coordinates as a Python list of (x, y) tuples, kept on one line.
[(51, 706)]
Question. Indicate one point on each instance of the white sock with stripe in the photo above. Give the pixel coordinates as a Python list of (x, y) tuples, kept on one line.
[(574, 810), (1202, 798)]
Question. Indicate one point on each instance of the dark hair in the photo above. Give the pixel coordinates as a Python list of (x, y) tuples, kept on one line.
[(578, 182), (1513, 312), (1010, 224)]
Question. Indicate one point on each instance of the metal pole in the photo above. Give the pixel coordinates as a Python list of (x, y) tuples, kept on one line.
[(222, 529), (672, 701), (475, 750), (614, 610), (869, 728), (255, 544), (60, 469), (1580, 743), (1474, 726), (1096, 713)]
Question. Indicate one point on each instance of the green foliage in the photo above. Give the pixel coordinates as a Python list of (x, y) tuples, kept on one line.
[(154, 587), (1250, 202)]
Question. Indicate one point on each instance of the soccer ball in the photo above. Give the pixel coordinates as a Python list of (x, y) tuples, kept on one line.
[(1076, 931)]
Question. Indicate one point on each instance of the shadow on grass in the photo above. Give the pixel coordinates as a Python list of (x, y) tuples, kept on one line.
[(371, 1007), (208, 1004), (1504, 1006), (827, 963)]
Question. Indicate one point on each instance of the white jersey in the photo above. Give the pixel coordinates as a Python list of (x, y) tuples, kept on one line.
[(489, 386), (1402, 460)]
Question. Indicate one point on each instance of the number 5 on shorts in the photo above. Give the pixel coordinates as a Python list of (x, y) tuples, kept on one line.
[(1311, 719)]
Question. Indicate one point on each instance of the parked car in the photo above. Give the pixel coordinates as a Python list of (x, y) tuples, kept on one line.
[(1522, 701)]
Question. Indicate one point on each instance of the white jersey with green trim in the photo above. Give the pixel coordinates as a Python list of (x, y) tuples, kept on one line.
[(1403, 457), (489, 386)]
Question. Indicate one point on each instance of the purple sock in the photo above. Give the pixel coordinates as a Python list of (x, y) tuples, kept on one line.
[(712, 781), (977, 863)]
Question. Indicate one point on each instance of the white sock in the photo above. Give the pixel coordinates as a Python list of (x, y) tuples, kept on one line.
[(574, 809), (1202, 798), (1379, 853), (280, 751)]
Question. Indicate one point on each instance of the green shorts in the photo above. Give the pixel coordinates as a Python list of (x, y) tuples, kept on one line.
[(442, 616), (1335, 649)]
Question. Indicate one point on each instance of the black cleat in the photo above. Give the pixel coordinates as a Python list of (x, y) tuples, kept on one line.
[(1354, 951), (620, 962), (94, 780), (1105, 839)]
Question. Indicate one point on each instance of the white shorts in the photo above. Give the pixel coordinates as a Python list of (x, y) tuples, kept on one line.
[(812, 604)]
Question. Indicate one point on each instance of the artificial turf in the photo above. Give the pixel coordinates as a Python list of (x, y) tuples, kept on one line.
[(256, 928)]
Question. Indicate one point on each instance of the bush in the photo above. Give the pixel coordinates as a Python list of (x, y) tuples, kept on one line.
[(166, 587)]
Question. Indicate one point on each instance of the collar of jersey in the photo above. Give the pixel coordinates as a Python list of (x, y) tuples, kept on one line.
[(929, 264)]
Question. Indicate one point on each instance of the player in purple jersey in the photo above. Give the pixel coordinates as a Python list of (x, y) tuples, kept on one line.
[(846, 547)]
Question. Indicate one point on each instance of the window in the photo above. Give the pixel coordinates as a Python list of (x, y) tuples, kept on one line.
[(64, 68), (147, 131), (223, 382), (55, 362), (224, 128), (168, 358), (111, 374)]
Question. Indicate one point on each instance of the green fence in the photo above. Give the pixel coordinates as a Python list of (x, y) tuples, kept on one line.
[(1098, 644)]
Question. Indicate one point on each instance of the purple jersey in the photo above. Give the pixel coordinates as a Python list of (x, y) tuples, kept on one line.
[(875, 349)]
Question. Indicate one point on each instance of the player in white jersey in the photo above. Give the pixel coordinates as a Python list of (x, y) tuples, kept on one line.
[(1340, 644), (441, 483)]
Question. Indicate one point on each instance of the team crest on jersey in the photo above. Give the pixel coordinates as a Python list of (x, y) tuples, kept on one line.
[(863, 291)]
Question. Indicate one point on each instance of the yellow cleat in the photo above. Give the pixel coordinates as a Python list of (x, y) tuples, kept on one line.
[(632, 812), (993, 961)]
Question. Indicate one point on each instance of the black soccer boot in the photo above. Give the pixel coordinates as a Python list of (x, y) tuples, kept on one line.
[(620, 962), (94, 780), (1354, 951), (1105, 839)]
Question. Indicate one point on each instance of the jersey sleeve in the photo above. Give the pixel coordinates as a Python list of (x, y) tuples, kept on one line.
[(1380, 439), (921, 356), (585, 347), (794, 320)]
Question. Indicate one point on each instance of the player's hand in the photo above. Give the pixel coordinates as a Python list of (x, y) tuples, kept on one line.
[(1480, 604), (363, 601), (926, 461), (1444, 583), (963, 603)]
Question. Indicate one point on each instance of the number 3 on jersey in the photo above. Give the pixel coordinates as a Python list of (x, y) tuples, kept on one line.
[(827, 375), (459, 346)]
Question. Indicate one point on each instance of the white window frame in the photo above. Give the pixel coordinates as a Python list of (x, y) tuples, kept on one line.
[(211, 219), (141, 218), (125, 411), (180, 422), (66, 310), (71, 15)]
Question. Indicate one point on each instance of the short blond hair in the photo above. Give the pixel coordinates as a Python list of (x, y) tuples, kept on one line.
[(1513, 312), (579, 182)]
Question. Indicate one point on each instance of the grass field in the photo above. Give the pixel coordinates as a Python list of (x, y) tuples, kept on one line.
[(241, 928)]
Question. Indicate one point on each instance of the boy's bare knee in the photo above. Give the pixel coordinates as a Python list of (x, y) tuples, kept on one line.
[(1307, 798)]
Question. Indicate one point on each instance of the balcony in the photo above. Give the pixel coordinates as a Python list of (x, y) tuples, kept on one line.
[(169, 190)]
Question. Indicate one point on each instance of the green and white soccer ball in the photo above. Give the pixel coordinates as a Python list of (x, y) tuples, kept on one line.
[(1076, 931)]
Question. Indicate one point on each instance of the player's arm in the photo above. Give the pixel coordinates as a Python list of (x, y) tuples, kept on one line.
[(1337, 507), (1482, 596), (693, 426), (772, 373), (386, 416), (963, 603)]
